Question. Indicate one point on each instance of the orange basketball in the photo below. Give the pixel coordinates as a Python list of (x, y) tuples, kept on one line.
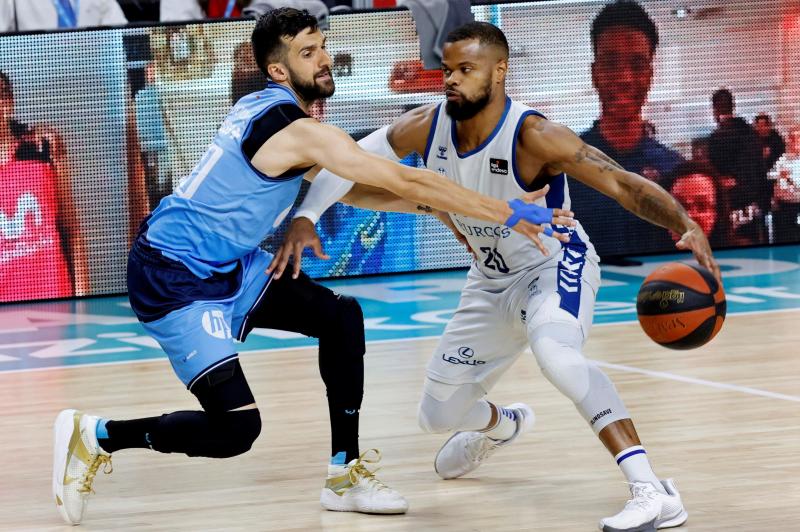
[(681, 306)]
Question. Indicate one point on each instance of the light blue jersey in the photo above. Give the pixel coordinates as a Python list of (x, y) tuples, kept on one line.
[(225, 208)]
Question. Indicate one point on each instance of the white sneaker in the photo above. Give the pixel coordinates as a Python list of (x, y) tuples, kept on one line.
[(648, 509), (354, 488), (76, 459), (465, 451)]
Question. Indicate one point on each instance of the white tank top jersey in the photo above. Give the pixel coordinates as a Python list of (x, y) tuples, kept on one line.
[(491, 169)]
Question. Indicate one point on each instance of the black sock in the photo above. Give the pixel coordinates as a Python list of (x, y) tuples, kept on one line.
[(130, 434), (344, 431)]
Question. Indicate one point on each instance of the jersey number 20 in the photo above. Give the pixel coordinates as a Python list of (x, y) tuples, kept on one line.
[(494, 260)]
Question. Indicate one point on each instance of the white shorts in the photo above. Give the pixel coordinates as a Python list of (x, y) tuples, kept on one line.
[(489, 329)]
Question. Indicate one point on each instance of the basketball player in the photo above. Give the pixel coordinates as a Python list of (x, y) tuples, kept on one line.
[(197, 278), (515, 295)]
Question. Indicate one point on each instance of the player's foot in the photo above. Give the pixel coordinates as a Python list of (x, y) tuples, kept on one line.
[(354, 488), (648, 509), (465, 451), (76, 459)]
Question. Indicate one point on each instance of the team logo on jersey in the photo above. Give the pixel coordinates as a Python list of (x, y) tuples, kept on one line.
[(442, 153), (498, 166), (215, 325)]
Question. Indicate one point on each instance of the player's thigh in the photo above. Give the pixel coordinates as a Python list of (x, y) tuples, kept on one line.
[(299, 305), (197, 338), (478, 344), (562, 302)]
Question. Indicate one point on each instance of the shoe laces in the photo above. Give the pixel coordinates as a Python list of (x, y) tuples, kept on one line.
[(642, 495), (88, 478), (358, 471)]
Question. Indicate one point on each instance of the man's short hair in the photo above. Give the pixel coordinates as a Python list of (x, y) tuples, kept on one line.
[(722, 100), (485, 33), (625, 14), (763, 116), (268, 46)]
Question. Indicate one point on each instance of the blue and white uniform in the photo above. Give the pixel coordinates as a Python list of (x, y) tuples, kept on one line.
[(196, 269), (512, 287)]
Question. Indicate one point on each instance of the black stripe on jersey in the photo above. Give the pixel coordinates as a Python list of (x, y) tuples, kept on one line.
[(263, 127)]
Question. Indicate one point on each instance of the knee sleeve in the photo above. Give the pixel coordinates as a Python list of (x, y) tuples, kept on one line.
[(557, 350), (341, 350), (342, 324), (216, 435), (220, 431), (444, 406)]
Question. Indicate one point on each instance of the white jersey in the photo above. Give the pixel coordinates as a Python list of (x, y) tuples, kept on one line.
[(491, 169)]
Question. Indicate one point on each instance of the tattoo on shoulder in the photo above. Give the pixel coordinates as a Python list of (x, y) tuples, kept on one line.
[(597, 157), (424, 208)]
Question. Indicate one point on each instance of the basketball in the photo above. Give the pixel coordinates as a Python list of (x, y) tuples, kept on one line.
[(681, 306)]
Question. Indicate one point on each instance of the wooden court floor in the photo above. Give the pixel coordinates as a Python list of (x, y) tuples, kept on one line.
[(724, 420)]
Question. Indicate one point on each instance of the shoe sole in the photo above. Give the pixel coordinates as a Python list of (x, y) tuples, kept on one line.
[(653, 525), (678, 520), (63, 429), (336, 503), (646, 527)]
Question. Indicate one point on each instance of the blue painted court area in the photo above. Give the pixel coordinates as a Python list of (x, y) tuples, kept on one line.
[(104, 330)]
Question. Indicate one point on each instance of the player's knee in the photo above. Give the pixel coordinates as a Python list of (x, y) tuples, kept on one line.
[(343, 324), (238, 431), (563, 365)]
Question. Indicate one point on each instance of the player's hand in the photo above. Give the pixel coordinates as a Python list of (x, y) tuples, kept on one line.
[(301, 234), (696, 241), (533, 220), (446, 220)]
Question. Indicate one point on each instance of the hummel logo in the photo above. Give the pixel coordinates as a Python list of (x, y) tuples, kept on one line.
[(442, 153)]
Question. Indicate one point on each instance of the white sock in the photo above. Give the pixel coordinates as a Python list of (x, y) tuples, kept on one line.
[(505, 426), (636, 467)]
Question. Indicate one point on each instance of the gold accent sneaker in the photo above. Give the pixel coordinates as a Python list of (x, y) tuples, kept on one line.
[(76, 459), (354, 488)]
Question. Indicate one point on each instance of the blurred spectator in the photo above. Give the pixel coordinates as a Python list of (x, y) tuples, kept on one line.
[(696, 187), (152, 132), (318, 8), (770, 141), (735, 152), (246, 77), (700, 151), (42, 249), (174, 10), (24, 15), (786, 198), (624, 40)]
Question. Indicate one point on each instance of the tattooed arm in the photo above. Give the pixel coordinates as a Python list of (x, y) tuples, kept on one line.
[(563, 151)]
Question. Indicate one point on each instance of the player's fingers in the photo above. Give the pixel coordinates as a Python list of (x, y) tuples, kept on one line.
[(563, 237), (532, 232), (285, 256), (530, 197), (564, 213), (316, 245), (298, 259), (562, 220), (274, 266)]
